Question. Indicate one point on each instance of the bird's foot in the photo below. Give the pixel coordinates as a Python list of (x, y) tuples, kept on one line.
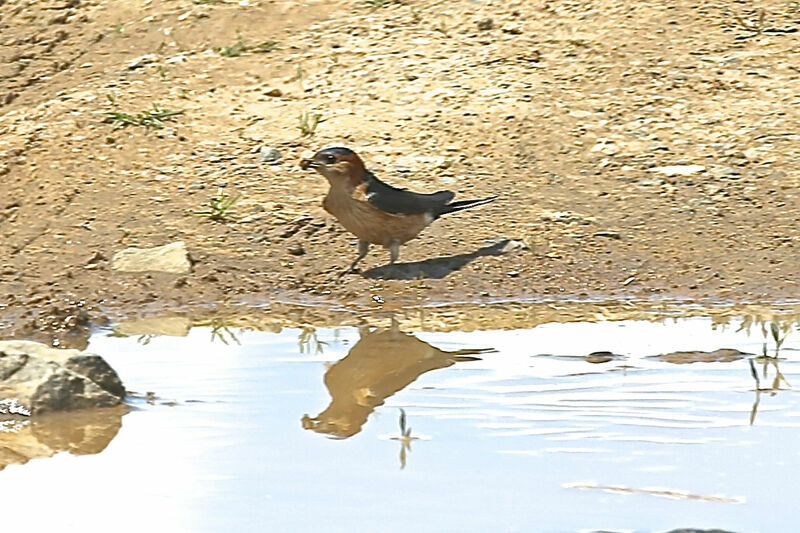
[(347, 271)]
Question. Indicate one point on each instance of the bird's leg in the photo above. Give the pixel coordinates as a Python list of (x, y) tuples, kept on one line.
[(394, 252), (363, 248)]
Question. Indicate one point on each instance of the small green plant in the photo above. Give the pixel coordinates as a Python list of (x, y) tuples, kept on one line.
[(405, 439), (145, 339), (219, 330), (220, 206), (405, 432), (441, 28), (309, 120), (163, 71), (755, 25), (118, 27), (152, 118), (236, 49), (308, 342), (241, 46), (779, 331)]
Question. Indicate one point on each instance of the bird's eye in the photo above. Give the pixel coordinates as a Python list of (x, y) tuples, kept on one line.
[(329, 159)]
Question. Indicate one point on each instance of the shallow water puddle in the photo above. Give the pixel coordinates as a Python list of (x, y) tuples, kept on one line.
[(614, 426)]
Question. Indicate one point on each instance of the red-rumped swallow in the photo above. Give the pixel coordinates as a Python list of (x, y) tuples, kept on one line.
[(374, 211)]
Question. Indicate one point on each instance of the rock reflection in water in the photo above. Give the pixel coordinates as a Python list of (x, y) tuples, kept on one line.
[(382, 362), (79, 432)]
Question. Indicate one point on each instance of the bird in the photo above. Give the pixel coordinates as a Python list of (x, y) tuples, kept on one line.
[(384, 361), (374, 211)]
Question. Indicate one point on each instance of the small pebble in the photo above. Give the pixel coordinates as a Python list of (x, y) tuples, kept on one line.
[(485, 24), (269, 156)]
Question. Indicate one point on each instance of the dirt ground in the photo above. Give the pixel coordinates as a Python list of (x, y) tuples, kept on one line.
[(568, 110)]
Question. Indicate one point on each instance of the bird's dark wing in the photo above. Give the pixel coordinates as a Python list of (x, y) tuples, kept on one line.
[(402, 201)]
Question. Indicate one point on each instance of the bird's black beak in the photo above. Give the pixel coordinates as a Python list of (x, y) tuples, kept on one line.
[(305, 164)]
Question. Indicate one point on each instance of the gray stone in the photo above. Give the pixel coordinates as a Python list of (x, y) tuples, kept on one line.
[(269, 155), (485, 24), (172, 258), (42, 379)]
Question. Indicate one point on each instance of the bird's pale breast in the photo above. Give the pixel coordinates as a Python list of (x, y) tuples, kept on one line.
[(369, 223)]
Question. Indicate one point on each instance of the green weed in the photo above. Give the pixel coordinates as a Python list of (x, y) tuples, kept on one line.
[(755, 25), (220, 206), (241, 46), (219, 331), (405, 439), (152, 118), (308, 342), (308, 122)]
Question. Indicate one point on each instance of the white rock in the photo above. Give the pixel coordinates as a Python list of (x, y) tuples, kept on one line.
[(679, 170), (172, 258), (141, 61), (41, 378)]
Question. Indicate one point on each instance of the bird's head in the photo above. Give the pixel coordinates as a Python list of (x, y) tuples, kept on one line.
[(340, 165)]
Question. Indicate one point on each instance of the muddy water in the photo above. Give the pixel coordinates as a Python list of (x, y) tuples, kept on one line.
[(613, 426)]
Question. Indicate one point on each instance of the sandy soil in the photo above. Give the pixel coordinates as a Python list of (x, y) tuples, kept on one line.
[(568, 110)]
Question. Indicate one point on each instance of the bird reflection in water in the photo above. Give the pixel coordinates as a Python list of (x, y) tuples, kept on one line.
[(383, 362)]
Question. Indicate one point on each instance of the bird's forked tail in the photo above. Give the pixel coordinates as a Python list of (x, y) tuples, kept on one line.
[(464, 204)]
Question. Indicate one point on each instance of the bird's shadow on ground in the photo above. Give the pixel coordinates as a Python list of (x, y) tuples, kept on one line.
[(436, 268)]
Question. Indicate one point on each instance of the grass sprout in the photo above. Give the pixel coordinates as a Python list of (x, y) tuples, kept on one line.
[(755, 25), (219, 331), (308, 342), (241, 46), (152, 118), (405, 439), (778, 331), (220, 206), (308, 122)]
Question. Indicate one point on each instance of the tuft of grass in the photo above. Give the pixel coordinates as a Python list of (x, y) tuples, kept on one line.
[(755, 25), (308, 122), (241, 46), (152, 118), (220, 206), (308, 342), (236, 49), (219, 330), (118, 28), (405, 432), (405, 439)]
